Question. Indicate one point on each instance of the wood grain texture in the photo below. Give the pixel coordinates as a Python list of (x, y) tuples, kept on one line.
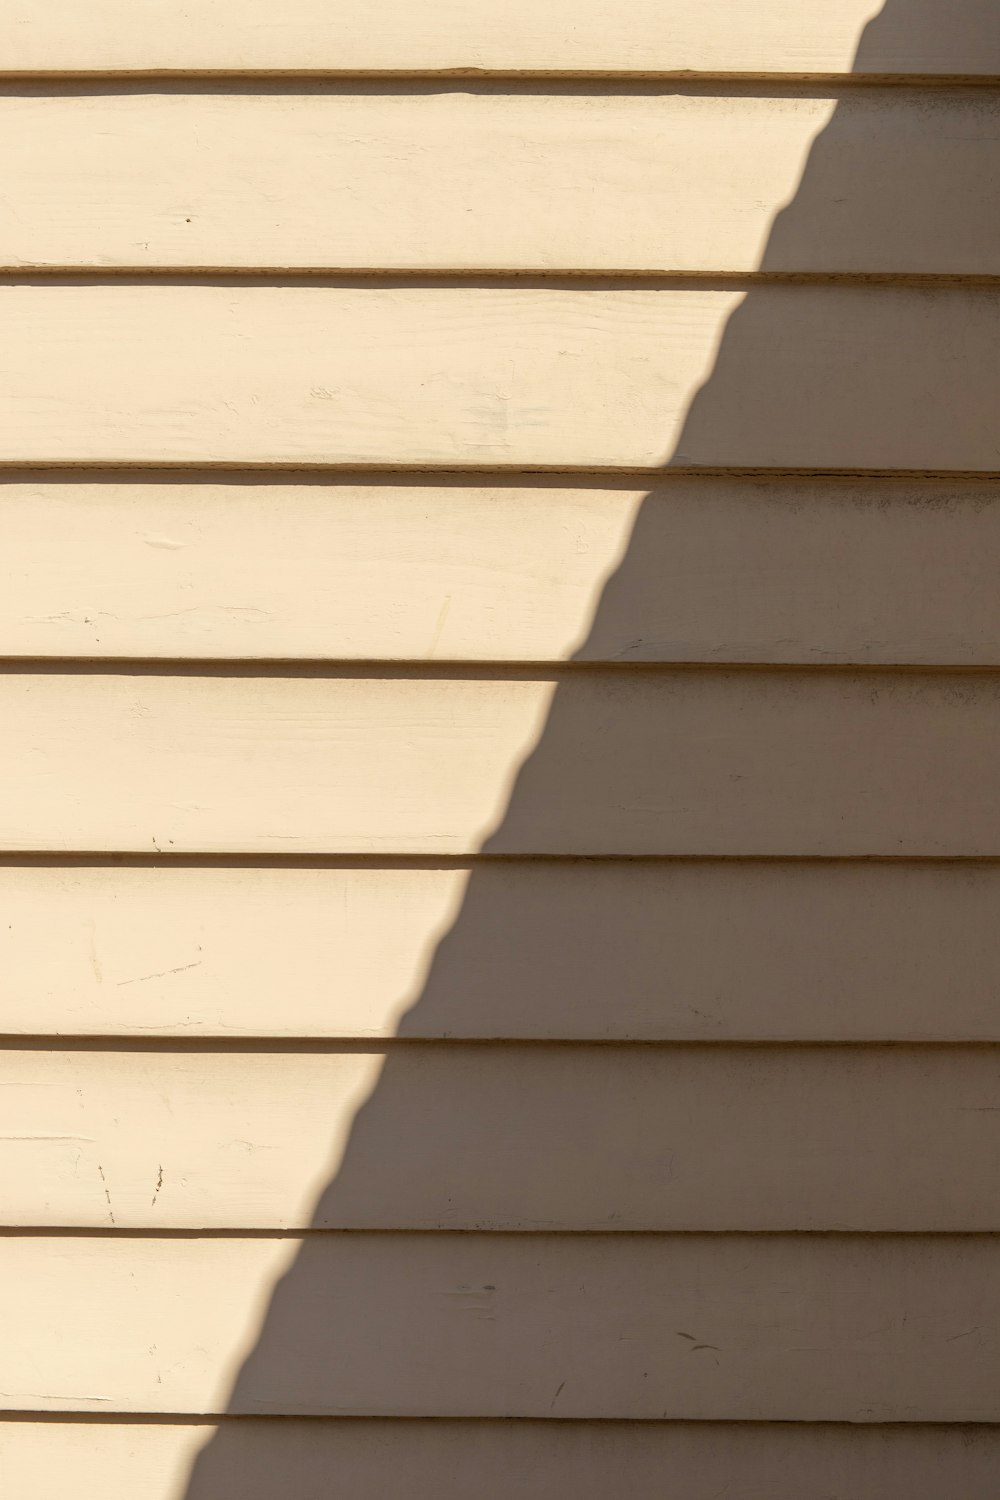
[(553, 951), (502, 1138), (779, 36), (802, 376), (481, 180), (893, 572), (637, 762), (538, 1460), (804, 1328)]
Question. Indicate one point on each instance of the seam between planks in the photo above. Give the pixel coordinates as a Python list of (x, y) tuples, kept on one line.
[(479, 278), (484, 83), (421, 670), (481, 75), (320, 860), (439, 278), (318, 472), (610, 1236), (243, 1044), (212, 1419), (457, 476)]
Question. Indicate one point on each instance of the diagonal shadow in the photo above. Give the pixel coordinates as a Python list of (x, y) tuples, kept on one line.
[(844, 381)]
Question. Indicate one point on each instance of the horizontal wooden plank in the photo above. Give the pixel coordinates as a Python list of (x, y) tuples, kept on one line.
[(799, 36), (899, 181), (798, 1328), (541, 1460), (586, 950), (804, 376), (511, 1137), (632, 762), (894, 572)]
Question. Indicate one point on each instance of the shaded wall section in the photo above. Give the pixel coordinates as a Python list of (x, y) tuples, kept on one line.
[(832, 371), (504, 970)]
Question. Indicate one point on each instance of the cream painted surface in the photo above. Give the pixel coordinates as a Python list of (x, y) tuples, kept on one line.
[(220, 1151), (451, 570), (841, 377), (508, 1137), (708, 951), (248, 951), (329, 571), (481, 180), (805, 1328), (633, 763), (286, 764), (771, 37), (537, 1460), (163, 1140)]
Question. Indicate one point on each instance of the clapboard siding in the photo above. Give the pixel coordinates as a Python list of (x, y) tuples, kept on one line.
[(636, 762), (825, 377), (894, 572), (709, 951), (778, 36), (364, 1458), (503, 1137), (804, 1328), (480, 180), (356, 1151)]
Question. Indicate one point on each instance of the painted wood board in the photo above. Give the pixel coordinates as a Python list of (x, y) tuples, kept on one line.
[(117, 1460), (422, 569), (622, 762), (804, 1328), (545, 950), (475, 179), (510, 1138), (779, 36), (784, 376)]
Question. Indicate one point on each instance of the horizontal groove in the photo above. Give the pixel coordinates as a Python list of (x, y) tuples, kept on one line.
[(479, 670), (537, 278), (235, 1419), (51, 1232), (256, 476), (626, 475), (481, 75), (234, 1043), (480, 84), (484, 278), (422, 670), (317, 860)]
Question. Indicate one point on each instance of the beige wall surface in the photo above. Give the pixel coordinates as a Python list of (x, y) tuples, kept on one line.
[(607, 950), (721, 1138), (535, 1459), (653, 1327), (488, 179), (499, 807), (425, 568), (775, 37), (628, 762), (565, 377)]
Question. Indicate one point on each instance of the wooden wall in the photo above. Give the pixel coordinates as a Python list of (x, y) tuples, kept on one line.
[(499, 791)]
